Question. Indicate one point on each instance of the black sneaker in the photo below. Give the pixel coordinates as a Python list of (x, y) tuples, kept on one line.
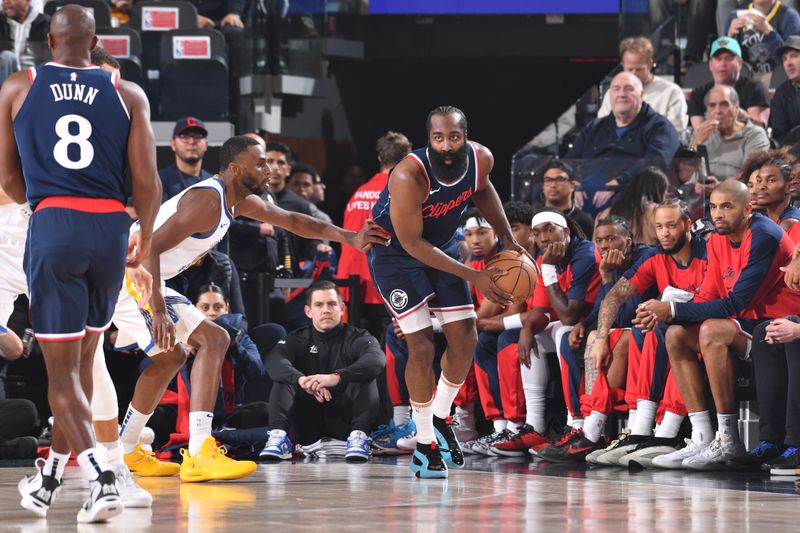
[(449, 446), (572, 450), (104, 501), (19, 448), (652, 447), (38, 491), (760, 456), (427, 462), (787, 464)]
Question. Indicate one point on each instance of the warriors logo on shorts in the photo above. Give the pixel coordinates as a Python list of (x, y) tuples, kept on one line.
[(398, 299)]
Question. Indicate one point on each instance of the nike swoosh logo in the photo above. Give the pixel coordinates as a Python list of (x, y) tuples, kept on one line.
[(434, 191), (573, 449)]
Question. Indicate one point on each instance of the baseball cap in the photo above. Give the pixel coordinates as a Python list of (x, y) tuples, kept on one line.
[(189, 123), (790, 43), (726, 43)]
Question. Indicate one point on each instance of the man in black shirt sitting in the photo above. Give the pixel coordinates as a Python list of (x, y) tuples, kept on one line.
[(785, 109), (190, 143)]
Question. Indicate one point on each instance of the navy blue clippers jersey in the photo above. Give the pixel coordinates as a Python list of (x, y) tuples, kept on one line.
[(72, 134), (442, 209)]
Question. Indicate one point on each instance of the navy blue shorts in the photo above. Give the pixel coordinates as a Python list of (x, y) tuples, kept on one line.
[(75, 264), (407, 284)]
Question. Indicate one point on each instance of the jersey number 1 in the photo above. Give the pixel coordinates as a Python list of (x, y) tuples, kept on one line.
[(85, 148)]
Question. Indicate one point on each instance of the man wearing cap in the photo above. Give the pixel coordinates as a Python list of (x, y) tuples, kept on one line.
[(725, 64), (189, 142), (785, 108), (760, 30)]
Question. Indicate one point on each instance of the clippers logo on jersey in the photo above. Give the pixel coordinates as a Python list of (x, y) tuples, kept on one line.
[(398, 299), (444, 203)]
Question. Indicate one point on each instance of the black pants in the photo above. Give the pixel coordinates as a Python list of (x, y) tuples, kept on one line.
[(18, 418), (353, 407), (777, 370)]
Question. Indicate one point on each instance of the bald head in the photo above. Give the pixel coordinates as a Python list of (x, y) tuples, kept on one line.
[(735, 190), (628, 78), (72, 34), (627, 95)]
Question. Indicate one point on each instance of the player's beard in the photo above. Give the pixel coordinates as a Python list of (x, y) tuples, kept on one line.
[(453, 171), (675, 249)]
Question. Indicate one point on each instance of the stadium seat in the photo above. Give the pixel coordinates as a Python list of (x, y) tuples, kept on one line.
[(125, 45), (100, 8), (194, 75)]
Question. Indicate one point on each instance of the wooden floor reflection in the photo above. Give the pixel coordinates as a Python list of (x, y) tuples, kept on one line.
[(383, 497)]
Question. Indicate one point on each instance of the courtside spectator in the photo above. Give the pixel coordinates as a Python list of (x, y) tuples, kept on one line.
[(325, 380), (23, 36), (727, 140), (785, 108), (760, 30), (632, 137), (391, 148), (637, 204), (725, 63), (190, 143), (303, 181), (665, 97), (558, 191)]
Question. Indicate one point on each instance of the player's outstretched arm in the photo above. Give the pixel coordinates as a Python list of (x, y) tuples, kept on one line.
[(310, 227), (488, 202), (11, 97), (144, 171)]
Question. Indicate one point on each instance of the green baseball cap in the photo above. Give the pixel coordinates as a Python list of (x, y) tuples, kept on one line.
[(728, 44)]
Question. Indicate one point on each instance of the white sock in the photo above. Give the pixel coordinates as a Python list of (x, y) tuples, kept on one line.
[(113, 452), (90, 467), (594, 425), (534, 384), (199, 429), (670, 426), (132, 426), (446, 392), (702, 432), (401, 414), (55, 465), (576, 423), (499, 425), (513, 427), (631, 418), (422, 413), (728, 425), (645, 418)]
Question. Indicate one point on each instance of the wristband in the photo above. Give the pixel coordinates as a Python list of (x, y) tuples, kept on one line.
[(549, 275), (512, 321), (672, 311), (437, 326)]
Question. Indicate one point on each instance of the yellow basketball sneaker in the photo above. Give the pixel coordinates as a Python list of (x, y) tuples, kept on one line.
[(212, 463), (144, 463)]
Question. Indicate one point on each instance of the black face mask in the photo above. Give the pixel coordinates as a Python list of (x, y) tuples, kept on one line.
[(675, 249), (448, 172)]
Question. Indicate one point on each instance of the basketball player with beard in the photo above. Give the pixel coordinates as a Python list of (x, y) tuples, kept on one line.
[(420, 272)]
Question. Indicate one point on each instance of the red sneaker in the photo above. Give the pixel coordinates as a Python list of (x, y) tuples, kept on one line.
[(525, 438)]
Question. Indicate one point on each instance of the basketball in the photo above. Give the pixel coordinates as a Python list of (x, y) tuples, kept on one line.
[(521, 274)]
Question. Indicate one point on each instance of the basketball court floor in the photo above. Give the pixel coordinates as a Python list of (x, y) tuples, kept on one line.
[(490, 494)]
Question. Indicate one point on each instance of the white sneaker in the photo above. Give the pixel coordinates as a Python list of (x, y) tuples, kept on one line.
[(38, 491), (408, 443), (104, 501), (132, 495), (645, 453), (675, 459), (608, 456), (718, 456), (464, 425), (483, 445)]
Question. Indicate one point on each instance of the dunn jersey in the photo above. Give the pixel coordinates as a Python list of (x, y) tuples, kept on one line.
[(72, 134), (189, 250), (444, 204)]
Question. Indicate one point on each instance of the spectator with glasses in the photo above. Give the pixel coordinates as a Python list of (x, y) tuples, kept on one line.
[(190, 143), (558, 191)]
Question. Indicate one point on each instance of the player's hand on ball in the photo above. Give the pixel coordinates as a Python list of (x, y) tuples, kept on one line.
[(142, 282), (555, 253), (484, 282), (163, 330)]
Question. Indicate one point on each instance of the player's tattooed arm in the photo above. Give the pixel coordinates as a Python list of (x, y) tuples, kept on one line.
[(618, 295)]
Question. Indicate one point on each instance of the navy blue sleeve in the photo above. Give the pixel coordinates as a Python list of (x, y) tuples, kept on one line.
[(762, 253), (246, 357), (583, 269)]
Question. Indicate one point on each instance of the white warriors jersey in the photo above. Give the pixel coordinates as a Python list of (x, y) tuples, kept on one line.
[(189, 250)]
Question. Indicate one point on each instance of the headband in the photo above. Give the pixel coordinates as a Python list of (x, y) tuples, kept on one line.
[(476, 222), (549, 216)]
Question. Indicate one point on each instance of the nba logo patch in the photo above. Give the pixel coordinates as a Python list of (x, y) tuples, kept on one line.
[(194, 47), (159, 18)]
